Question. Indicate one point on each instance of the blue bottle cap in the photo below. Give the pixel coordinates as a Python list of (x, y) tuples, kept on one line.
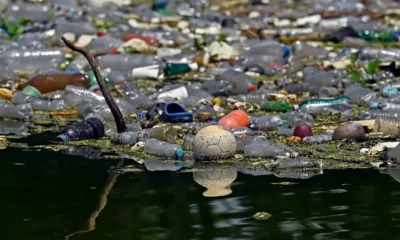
[(62, 137), (374, 106), (179, 153), (390, 91), (253, 127)]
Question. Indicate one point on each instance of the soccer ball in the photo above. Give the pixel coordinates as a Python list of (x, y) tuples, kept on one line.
[(214, 142)]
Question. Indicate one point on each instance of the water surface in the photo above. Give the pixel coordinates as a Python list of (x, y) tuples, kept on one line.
[(49, 195)]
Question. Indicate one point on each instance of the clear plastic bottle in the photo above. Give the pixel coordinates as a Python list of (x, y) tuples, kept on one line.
[(359, 95), (160, 148), (284, 131), (20, 111), (318, 138), (387, 126), (126, 62), (374, 114), (131, 138), (218, 87), (13, 128), (241, 83), (323, 78), (75, 95), (298, 118), (305, 50), (326, 92), (241, 131), (242, 142), (318, 106), (262, 150), (390, 107), (256, 97), (44, 105), (188, 141), (267, 123)]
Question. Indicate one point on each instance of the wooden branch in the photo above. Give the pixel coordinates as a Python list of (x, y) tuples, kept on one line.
[(116, 112)]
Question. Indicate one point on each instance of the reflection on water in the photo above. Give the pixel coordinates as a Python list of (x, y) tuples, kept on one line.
[(217, 178), (49, 195)]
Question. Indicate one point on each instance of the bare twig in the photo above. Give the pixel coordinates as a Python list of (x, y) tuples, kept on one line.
[(119, 119)]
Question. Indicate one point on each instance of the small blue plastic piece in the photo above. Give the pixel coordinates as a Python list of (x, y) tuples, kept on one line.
[(390, 91), (179, 153), (62, 137), (253, 127), (286, 51), (175, 112), (374, 106), (179, 164), (141, 115)]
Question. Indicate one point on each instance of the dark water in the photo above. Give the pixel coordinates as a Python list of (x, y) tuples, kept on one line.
[(47, 195)]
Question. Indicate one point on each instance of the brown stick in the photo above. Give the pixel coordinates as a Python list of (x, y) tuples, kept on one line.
[(119, 119)]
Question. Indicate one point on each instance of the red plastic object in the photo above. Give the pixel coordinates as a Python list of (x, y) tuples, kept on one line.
[(235, 119), (302, 131), (252, 88), (101, 33), (148, 40)]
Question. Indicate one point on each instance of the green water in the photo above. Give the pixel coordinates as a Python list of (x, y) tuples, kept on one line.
[(48, 195)]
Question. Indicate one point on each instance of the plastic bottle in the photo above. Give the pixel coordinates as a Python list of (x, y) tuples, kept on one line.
[(277, 106), (322, 78), (284, 131), (218, 87), (44, 105), (131, 138), (298, 118), (13, 128), (302, 87), (318, 138), (262, 150), (91, 128), (188, 141), (386, 106), (374, 114), (377, 36), (267, 123), (317, 106), (359, 95), (242, 142), (179, 68), (255, 97), (387, 126), (241, 131), (305, 50), (20, 111), (326, 92), (75, 95), (160, 148), (157, 165), (42, 84), (127, 62), (241, 83)]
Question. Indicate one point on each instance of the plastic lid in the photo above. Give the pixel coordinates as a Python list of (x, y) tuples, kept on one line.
[(32, 91), (179, 153), (194, 66)]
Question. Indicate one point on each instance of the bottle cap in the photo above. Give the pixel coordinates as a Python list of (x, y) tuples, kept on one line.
[(179, 153), (62, 138), (32, 91), (374, 106), (194, 66)]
